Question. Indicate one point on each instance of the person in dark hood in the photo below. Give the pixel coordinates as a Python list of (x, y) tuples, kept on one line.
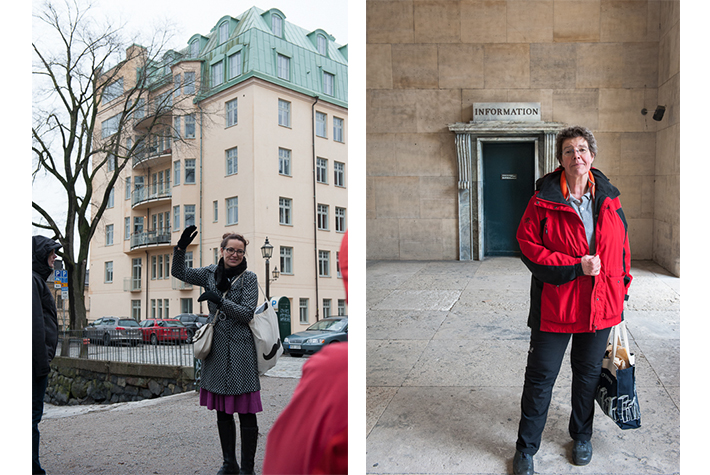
[(44, 332)]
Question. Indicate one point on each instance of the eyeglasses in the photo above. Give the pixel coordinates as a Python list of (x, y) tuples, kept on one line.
[(230, 250), (569, 152)]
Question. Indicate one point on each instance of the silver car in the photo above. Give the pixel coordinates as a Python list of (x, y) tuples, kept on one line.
[(109, 330)]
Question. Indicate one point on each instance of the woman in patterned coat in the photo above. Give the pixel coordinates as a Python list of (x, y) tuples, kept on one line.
[(230, 377)]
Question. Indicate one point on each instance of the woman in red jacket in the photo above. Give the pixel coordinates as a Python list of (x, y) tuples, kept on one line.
[(574, 239)]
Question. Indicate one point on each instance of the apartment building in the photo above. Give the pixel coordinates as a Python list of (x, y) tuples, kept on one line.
[(248, 134)]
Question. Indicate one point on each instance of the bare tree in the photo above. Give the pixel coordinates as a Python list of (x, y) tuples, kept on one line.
[(85, 157)]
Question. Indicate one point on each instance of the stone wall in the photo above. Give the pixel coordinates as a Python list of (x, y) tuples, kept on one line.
[(75, 381), (597, 63)]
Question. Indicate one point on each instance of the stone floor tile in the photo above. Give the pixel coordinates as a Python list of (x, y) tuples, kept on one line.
[(404, 324)]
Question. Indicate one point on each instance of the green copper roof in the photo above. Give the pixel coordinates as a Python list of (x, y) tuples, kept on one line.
[(251, 34)]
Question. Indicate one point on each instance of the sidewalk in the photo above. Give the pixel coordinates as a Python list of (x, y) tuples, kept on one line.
[(170, 435), (446, 353)]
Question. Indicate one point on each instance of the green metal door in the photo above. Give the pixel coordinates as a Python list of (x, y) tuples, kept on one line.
[(508, 184)]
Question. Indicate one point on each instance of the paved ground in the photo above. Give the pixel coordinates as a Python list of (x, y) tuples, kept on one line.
[(446, 346), (171, 435)]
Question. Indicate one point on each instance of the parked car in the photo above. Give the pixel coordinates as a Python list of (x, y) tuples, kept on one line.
[(169, 330), (109, 330), (192, 321), (324, 332)]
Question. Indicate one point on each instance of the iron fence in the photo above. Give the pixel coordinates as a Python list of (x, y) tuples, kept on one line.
[(168, 350)]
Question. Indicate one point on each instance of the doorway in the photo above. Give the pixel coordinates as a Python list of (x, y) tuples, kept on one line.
[(508, 170)]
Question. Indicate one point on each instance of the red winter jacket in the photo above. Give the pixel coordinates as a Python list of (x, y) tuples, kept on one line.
[(552, 241)]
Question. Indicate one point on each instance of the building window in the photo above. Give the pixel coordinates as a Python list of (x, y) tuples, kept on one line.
[(338, 129), (321, 125), (110, 126), (322, 44), (217, 74), (326, 308), (322, 217), (137, 224), (215, 210), (109, 234), (176, 217), (189, 215), (303, 311), (176, 127), (160, 266), (284, 162), (176, 173), (284, 113), (167, 266), (277, 25), (285, 211), (189, 83), (324, 263), (223, 32), (136, 273), (177, 83), (166, 306), (339, 219), (128, 188), (231, 107), (190, 126), (232, 210), (194, 49), (283, 67), (328, 83), (337, 265), (136, 309), (108, 272), (190, 171), (186, 305), (321, 170), (127, 228), (338, 174), (286, 260), (188, 259), (110, 198), (112, 91), (231, 160), (341, 308), (235, 65), (153, 267)]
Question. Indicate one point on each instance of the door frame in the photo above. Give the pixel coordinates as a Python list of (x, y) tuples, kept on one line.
[(468, 137)]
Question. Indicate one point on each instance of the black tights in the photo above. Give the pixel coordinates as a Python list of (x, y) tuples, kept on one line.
[(245, 420)]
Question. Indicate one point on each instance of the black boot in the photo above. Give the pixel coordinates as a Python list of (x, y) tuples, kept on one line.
[(250, 435), (228, 440)]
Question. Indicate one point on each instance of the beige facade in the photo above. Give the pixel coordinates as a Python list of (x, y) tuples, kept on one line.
[(596, 63), (238, 186)]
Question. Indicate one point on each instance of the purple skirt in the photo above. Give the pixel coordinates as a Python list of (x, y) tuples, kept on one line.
[(247, 403)]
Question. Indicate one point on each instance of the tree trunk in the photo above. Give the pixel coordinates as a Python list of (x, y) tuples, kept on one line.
[(77, 306)]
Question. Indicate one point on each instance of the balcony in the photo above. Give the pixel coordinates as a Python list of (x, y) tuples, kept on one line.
[(150, 238), (154, 194), (153, 156), (180, 285), (131, 284)]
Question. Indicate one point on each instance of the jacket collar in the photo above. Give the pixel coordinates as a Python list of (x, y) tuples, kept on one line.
[(549, 186)]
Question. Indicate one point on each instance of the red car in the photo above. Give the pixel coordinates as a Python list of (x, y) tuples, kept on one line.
[(167, 330)]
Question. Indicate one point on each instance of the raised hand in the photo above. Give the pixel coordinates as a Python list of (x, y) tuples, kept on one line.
[(187, 236)]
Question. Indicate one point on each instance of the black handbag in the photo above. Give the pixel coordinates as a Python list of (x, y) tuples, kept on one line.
[(616, 392)]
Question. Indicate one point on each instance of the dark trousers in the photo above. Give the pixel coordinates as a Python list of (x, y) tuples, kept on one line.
[(544, 361), (39, 386)]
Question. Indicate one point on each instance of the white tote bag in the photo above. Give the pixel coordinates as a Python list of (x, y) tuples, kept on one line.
[(265, 328)]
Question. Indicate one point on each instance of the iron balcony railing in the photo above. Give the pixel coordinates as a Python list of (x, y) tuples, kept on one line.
[(150, 238), (151, 193)]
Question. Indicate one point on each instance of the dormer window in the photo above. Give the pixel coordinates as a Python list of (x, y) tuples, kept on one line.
[(195, 48), (223, 32), (277, 25), (322, 44)]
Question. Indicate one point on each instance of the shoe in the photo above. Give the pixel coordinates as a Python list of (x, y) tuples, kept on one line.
[(523, 464), (582, 452)]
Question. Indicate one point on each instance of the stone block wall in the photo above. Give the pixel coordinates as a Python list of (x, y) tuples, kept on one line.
[(74, 381), (596, 63)]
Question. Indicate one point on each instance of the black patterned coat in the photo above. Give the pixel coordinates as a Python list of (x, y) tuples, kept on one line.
[(231, 366)]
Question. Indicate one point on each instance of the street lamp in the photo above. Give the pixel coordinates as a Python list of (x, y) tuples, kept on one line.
[(267, 250)]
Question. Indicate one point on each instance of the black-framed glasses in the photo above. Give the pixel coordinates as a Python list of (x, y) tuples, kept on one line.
[(230, 250)]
